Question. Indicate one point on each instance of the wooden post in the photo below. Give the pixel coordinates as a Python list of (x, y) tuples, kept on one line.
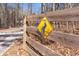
[(73, 26), (24, 34), (67, 26), (78, 25), (54, 25), (60, 25)]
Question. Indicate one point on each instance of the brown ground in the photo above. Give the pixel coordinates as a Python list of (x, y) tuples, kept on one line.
[(66, 51), (61, 49), (16, 50)]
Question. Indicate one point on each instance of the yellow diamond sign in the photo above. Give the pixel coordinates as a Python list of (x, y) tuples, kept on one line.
[(44, 27)]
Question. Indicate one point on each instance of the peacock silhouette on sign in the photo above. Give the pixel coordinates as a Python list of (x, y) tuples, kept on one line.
[(43, 28)]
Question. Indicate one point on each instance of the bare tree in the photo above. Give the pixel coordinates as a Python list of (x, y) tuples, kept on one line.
[(30, 8)]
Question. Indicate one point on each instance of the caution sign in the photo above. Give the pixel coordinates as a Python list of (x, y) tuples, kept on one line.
[(44, 27)]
